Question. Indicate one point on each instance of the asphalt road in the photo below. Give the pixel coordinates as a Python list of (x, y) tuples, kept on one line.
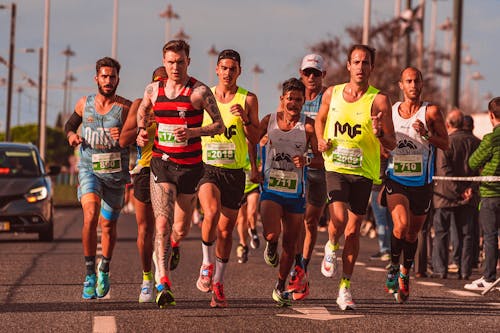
[(41, 284)]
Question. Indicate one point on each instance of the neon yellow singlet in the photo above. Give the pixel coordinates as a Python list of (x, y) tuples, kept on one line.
[(227, 150), (355, 149), (146, 152)]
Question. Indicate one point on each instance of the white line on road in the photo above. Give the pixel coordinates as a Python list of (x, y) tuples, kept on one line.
[(463, 293), (429, 284), (104, 324), (316, 313), (376, 269)]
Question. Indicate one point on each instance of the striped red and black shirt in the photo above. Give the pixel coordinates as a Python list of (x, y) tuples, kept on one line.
[(172, 113)]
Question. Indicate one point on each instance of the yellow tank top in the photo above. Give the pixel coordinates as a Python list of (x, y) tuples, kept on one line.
[(227, 150), (355, 149), (145, 153)]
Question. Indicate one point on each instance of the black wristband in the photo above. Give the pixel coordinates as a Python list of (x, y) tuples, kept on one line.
[(246, 123), (140, 128)]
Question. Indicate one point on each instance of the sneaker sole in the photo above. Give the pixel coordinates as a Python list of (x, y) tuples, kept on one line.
[(165, 299), (328, 274), (281, 303), (215, 304), (89, 297), (345, 307), (202, 288)]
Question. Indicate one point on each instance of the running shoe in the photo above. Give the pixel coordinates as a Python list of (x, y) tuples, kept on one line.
[(271, 258), (254, 238), (391, 283), (404, 288), (146, 295), (242, 253), (296, 281), (102, 287), (175, 258), (282, 297), (89, 287), (218, 297), (301, 287), (329, 265), (344, 300), (478, 285), (204, 282), (164, 296)]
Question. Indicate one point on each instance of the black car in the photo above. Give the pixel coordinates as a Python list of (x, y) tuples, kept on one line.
[(26, 203)]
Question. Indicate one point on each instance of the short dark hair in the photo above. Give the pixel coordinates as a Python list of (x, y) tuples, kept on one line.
[(176, 45), (494, 107), (293, 84), (468, 123), (229, 54), (159, 74), (107, 62), (455, 118), (368, 49)]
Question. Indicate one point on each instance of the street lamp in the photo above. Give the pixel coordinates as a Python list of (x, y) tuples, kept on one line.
[(212, 53), (476, 76), (256, 70), (168, 15), (68, 52), (10, 67), (181, 35)]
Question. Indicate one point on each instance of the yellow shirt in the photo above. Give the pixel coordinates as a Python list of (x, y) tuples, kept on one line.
[(227, 150), (355, 149)]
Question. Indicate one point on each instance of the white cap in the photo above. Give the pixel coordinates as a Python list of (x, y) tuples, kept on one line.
[(312, 61)]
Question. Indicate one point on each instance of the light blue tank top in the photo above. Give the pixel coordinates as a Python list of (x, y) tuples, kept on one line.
[(281, 177), (311, 108), (99, 152)]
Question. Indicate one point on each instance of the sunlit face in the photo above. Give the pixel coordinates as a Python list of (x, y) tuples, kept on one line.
[(312, 79), (176, 64), (292, 101), (411, 84), (360, 66), (228, 71), (107, 81)]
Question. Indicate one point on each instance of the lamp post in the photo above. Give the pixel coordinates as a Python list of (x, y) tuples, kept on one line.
[(212, 53), (476, 76), (114, 38), (181, 35), (10, 77), (68, 52), (256, 70), (168, 15)]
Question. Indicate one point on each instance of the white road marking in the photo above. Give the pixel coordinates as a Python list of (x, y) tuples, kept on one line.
[(429, 284), (104, 324), (376, 269), (317, 313), (359, 263), (464, 293)]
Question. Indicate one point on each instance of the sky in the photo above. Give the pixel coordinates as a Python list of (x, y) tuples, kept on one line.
[(275, 34)]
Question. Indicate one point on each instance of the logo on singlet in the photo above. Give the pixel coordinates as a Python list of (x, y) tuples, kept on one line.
[(352, 131), (229, 132)]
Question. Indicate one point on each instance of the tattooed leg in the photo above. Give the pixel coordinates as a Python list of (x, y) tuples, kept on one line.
[(163, 201)]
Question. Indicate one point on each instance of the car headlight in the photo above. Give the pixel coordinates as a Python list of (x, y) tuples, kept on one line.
[(37, 194)]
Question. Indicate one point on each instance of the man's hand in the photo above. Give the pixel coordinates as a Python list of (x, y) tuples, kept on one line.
[(142, 138), (324, 145), (237, 111), (115, 133), (74, 139)]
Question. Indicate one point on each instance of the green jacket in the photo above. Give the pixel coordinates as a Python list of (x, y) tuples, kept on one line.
[(487, 156)]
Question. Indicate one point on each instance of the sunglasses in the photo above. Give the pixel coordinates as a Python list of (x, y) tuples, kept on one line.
[(308, 71)]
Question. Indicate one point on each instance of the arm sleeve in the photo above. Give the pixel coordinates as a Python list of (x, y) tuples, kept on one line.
[(73, 123)]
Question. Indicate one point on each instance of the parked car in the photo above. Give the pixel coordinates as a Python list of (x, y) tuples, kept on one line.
[(26, 191)]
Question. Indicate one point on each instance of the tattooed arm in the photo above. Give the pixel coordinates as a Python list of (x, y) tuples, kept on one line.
[(148, 100), (202, 98)]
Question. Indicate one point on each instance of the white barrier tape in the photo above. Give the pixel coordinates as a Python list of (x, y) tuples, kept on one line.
[(469, 179)]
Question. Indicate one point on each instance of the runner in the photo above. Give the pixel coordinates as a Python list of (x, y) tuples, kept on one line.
[(282, 201), (141, 177), (103, 170), (312, 72), (354, 119), (176, 164), (221, 187), (420, 129)]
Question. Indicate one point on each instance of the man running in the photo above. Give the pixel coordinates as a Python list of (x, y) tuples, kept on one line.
[(354, 119), (420, 129), (176, 165), (103, 170), (312, 72), (143, 208), (220, 190), (282, 201)]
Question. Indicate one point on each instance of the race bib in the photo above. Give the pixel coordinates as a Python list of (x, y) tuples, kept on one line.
[(106, 162), (407, 165), (283, 181), (220, 153), (347, 157), (166, 135)]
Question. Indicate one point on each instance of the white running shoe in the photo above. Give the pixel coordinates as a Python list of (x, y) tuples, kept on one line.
[(329, 265), (147, 294), (344, 300), (478, 285)]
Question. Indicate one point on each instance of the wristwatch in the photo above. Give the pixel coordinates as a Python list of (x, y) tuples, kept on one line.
[(426, 136), (140, 128)]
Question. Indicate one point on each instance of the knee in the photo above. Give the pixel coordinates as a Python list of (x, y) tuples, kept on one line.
[(211, 214)]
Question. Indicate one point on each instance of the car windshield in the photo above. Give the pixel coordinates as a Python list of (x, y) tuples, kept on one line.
[(18, 163)]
